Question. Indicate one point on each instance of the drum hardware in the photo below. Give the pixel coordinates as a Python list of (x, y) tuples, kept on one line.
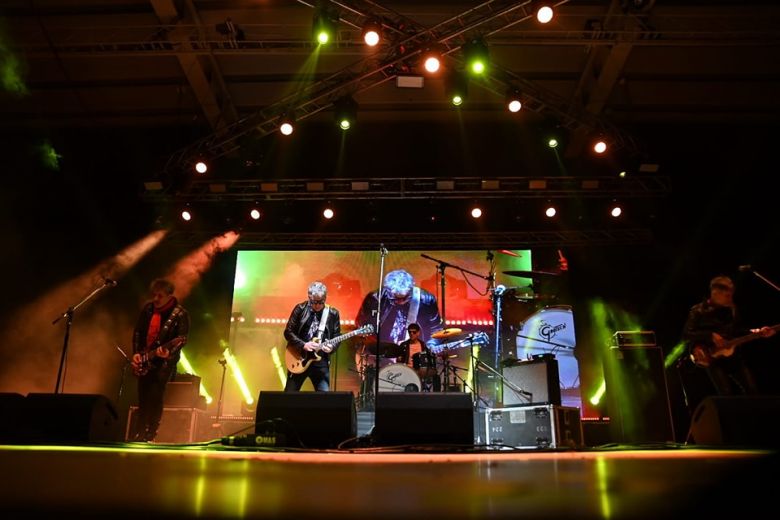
[(446, 333), (399, 378)]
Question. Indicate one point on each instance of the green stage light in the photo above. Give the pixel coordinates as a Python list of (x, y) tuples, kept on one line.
[(552, 142), (477, 57)]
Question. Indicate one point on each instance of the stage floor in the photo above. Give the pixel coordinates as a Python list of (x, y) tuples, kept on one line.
[(158, 481)]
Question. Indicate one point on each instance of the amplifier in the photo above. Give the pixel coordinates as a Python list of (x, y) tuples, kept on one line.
[(537, 378), (178, 425), (534, 427), (633, 338)]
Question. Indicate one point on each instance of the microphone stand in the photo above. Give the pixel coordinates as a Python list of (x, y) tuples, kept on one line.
[(766, 280), (380, 294), (68, 315), (218, 418), (124, 370)]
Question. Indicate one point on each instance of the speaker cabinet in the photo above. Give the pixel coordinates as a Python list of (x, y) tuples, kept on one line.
[(178, 425), (538, 377), (11, 418), (317, 419), (70, 419), (182, 391), (423, 418), (745, 421), (637, 397)]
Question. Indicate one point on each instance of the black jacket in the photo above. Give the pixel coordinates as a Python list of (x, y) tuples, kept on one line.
[(404, 357), (297, 329), (179, 327), (428, 316), (705, 318)]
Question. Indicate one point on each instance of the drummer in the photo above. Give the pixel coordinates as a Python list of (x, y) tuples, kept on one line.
[(416, 354)]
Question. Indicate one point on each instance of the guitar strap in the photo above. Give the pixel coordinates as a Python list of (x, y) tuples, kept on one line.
[(169, 322), (323, 322), (414, 309)]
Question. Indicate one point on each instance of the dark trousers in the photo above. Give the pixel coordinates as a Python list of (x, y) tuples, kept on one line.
[(731, 376), (318, 373), (151, 389)]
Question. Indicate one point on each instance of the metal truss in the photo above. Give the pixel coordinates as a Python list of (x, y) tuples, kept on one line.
[(426, 241), (416, 188)]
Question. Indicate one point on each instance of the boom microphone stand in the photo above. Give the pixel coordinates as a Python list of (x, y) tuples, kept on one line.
[(745, 268), (382, 255), (68, 315)]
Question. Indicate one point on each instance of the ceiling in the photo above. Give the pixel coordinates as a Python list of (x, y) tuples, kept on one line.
[(596, 66)]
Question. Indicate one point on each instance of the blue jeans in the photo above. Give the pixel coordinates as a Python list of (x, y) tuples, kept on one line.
[(319, 375)]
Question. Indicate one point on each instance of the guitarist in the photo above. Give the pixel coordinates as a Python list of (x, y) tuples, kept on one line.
[(712, 322), (161, 332), (303, 327)]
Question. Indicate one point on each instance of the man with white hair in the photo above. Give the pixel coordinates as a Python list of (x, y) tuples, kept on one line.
[(403, 303), (310, 322)]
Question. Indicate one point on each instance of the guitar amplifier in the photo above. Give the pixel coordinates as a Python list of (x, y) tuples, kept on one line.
[(178, 425), (538, 378), (533, 427), (633, 338)]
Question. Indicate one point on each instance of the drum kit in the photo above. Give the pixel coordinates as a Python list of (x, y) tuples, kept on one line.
[(432, 371)]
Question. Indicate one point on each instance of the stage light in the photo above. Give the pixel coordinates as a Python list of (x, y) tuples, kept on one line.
[(286, 125), (238, 376), (255, 214), (550, 211), (544, 12), (476, 212), (477, 56), (432, 60), (187, 366), (186, 215), (616, 211), (324, 26), (372, 33), (201, 167), (456, 85), (513, 102), (328, 213), (595, 399), (622, 174), (552, 142), (345, 112), (600, 146)]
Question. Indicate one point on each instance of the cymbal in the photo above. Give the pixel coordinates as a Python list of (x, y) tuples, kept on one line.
[(531, 274), (446, 333)]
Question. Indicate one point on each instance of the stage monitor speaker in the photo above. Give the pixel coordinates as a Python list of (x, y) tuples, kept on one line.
[(539, 377), (744, 421), (11, 418), (637, 397), (423, 418), (317, 419), (70, 419)]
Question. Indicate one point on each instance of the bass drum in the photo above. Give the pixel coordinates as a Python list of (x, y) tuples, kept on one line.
[(398, 378)]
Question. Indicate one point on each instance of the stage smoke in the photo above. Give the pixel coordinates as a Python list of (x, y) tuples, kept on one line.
[(187, 272)]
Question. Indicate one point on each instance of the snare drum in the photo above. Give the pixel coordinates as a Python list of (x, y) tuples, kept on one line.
[(398, 378), (424, 364)]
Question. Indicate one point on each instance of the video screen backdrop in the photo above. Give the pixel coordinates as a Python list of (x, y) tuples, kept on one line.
[(268, 284)]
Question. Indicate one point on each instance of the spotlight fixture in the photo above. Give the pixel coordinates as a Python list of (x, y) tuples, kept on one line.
[(476, 54), (201, 166), (372, 32), (476, 212), (345, 112), (622, 174), (550, 211), (328, 213), (552, 142), (186, 215), (324, 25), (513, 101), (600, 146), (431, 59), (615, 211), (456, 86), (255, 214), (286, 125), (544, 11)]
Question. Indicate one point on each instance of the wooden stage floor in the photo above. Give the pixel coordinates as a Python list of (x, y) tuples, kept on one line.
[(157, 481)]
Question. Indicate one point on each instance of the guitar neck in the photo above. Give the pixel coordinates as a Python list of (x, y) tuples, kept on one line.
[(339, 339), (748, 337)]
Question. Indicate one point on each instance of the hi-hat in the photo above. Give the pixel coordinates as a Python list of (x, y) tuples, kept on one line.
[(446, 333), (531, 274)]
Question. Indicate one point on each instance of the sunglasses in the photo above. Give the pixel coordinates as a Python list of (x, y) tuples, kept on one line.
[(412, 331), (317, 302)]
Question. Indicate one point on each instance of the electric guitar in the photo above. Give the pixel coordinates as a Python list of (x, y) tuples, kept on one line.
[(702, 355), (298, 360), (141, 368), (480, 338)]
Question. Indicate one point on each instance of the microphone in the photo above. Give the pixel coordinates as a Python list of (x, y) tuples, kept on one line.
[(109, 282), (499, 290), (745, 268)]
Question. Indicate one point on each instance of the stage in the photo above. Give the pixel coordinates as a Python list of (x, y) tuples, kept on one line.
[(169, 481)]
